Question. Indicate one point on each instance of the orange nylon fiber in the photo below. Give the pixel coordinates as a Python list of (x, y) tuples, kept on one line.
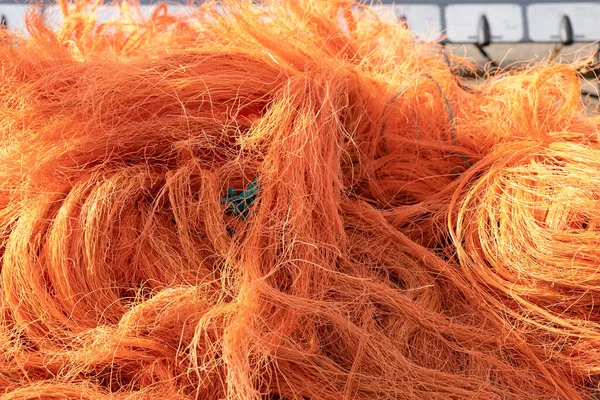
[(413, 235)]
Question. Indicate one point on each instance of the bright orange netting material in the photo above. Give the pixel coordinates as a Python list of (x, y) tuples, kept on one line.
[(392, 231)]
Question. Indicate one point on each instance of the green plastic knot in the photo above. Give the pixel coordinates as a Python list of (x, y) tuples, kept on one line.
[(239, 202)]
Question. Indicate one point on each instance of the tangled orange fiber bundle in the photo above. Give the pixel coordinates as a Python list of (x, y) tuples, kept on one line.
[(411, 236)]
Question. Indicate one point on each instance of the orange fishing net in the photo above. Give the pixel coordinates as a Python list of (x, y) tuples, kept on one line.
[(289, 202)]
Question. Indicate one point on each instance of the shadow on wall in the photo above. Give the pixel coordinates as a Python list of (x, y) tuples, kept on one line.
[(519, 53)]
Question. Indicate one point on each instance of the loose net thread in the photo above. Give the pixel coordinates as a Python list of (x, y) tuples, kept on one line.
[(412, 237)]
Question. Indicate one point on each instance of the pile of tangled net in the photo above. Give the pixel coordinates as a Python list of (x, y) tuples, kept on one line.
[(293, 201)]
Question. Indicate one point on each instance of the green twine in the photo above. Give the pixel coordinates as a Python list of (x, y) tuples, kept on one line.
[(239, 202)]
